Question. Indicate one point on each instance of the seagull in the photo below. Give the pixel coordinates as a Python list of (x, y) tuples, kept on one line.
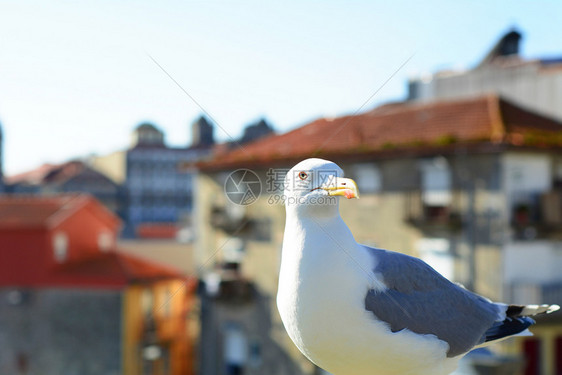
[(358, 310)]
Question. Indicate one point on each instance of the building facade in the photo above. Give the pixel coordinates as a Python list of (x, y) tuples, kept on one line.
[(535, 84), (460, 183), (158, 193)]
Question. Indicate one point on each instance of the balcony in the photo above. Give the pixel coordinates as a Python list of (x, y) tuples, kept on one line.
[(228, 221), (240, 224), (227, 285), (538, 217), (426, 216)]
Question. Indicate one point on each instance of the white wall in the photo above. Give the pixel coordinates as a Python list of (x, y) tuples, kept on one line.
[(525, 175), (533, 262), (436, 253), (530, 85)]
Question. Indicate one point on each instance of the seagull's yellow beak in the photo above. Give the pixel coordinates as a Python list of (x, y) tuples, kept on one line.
[(344, 186)]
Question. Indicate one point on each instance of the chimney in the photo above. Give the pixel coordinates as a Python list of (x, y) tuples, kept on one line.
[(508, 45), (202, 133), (256, 131)]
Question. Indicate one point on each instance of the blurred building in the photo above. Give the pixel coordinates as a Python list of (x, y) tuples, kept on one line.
[(71, 303), (70, 177), (256, 131), (174, 252), (2, 186), (202, 133), (534, 84), (473, 186), (251, 133), (158, 193)]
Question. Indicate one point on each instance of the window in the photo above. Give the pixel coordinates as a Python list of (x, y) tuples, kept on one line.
[(235, 349), (528, 180), (60, 246), (558, 175), (166, 304), (368, 178), (146, 301), (527, 174), (105, 241), (436, 182), (255, 355), (233, 250)]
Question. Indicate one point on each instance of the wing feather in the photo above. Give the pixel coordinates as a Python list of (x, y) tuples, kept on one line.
[(419, 299)]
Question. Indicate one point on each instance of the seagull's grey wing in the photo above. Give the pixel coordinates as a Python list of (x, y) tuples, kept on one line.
[(419, 299)]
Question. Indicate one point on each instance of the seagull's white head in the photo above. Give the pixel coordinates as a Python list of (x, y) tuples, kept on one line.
[(313, 187)]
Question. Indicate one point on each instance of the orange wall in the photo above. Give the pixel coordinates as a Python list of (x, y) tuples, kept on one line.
[(171, 302), (83, 230)]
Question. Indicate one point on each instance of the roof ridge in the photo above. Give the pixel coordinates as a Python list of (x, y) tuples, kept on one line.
[(67, 208), (32, 175), (123, 258), (128, 268), (484, 120), (376, 112), (497, 124), (431, 104)]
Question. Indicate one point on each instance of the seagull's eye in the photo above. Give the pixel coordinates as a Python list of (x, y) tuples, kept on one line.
[(303, 175)]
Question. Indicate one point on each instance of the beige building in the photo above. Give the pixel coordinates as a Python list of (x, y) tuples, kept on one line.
[(472, 186)]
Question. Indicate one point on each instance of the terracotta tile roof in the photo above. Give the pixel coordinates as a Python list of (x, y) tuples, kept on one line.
[(485, 119), (31, 211), (33, 177), (65, 171), (114, 267), (138, 269), (54, 173)]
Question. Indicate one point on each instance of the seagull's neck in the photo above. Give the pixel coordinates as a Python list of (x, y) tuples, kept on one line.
[(312, 211), (304, 229), (311, 219)]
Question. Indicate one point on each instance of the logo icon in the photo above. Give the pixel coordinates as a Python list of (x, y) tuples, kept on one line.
[(242, 187)]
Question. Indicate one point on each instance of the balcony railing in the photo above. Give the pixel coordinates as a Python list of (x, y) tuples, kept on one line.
[(228, 285), (221, 218), (424, 215)]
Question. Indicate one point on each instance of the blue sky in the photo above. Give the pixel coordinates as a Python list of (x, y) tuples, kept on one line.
[(76, 76)]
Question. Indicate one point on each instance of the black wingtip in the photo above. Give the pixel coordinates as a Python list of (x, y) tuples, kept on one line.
[(514, 310), (509, 327)]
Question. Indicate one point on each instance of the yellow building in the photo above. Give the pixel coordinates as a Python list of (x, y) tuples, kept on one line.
[(157, 340)]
